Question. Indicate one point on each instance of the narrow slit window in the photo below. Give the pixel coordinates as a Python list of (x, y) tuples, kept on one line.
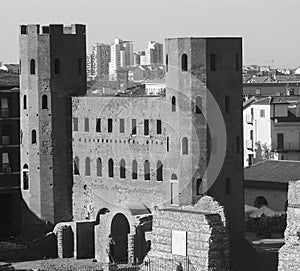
[(147, 170), (87, 166), (159, 171), (32, 66), (198, 105), (75, 124), (146, 127), (110, 168), (99, 167), (134, 170), (185, 146), (86, 124), (109, 125), (33, 137), (199, 187), (44, 102), (25, 177), (158, 127), (122, 169), (167, 63), (25, 102), (76, 165), (98, 125), (184, 62), (122, 126), (173, 100), (133, 128)]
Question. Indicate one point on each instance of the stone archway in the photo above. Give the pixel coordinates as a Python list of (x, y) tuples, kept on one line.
[(119, 231)]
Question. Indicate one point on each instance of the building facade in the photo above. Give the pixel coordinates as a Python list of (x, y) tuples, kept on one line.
[(121, 56), (53, 69), (154, 53), (154, 151), (100, 60), (271, 129), (10, 161)]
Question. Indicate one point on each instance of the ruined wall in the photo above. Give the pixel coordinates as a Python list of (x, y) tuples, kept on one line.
[(289, 254), (92, 192), (207, 243)]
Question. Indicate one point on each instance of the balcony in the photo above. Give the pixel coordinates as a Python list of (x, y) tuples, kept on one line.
[(249, 119), (249, 144), (286, 146)]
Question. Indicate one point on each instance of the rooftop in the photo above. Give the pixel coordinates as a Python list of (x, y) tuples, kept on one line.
[(281, 171)]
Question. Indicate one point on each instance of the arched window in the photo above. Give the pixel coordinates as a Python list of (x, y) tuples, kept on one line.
[(76, 165), (260, 201), (25, 102), (185, 146), (173, 100), (56, 66), (147, 170), (198, 105), (159, 171), (110, 168), (184, 62), (167, 63), (174, 177), (44, 101), (199, 187), (213, 62), (33, 137), (122, 169), (87, 166), (25, 177), (32, 66), (134, 170), (99, 167)]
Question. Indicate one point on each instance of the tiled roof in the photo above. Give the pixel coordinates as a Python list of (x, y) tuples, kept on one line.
[(263, 101), (9, 79), (281, 171)]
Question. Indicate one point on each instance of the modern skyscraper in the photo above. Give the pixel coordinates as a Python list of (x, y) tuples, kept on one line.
[(121, 55), (100, 59), (154, 53)]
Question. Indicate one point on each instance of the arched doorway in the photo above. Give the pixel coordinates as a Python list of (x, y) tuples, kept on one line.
[(119, 233)]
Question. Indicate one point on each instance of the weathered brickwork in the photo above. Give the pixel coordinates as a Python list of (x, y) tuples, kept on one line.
[(289, 254), (53, 69), (207, 242), (212, 155)]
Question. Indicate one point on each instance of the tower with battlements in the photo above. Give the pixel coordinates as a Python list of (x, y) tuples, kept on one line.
[(53, 69)]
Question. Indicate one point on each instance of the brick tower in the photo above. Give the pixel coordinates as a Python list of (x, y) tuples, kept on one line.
[(53, 69), (204, 85)]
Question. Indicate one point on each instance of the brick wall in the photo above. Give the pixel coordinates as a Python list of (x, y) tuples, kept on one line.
[(207, 243)]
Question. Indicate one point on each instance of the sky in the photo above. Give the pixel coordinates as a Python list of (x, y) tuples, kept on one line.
[(269, 28)]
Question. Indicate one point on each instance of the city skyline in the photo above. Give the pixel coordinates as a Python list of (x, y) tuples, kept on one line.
[(267, 27)]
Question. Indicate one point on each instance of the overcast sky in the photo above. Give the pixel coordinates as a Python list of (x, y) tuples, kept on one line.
[(270, 28)]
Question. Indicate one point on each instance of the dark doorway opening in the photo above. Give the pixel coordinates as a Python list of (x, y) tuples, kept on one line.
[(119, 235)]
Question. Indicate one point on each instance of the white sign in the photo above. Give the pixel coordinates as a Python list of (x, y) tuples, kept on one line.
[(179, 242)]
